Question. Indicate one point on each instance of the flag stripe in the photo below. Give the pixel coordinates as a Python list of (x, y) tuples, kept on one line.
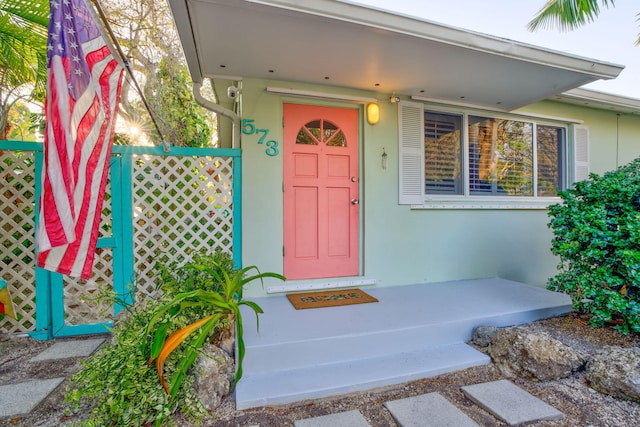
[(82, 98), (56, 211)]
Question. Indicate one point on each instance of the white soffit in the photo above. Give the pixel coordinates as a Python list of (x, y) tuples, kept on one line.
[(342, 44)]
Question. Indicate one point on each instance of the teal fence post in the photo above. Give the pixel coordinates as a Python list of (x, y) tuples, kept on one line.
[(44, 323), (122, 214), (237, 209)]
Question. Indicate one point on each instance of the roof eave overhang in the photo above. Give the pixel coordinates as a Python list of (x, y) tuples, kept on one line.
[(387, 30), (428, 30), (599, 100)]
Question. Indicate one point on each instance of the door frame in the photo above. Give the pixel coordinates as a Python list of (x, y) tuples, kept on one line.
[(359, 109)]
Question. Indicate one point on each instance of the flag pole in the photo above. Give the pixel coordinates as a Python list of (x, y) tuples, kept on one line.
[(113, 40)]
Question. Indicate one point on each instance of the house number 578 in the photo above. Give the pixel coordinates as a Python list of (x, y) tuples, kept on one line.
[(248, 128)]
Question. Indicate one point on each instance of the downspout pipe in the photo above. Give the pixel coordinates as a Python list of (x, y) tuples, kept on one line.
[(220, 110)]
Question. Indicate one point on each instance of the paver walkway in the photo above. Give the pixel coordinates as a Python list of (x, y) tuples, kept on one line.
[(21, 398), (502, 399)]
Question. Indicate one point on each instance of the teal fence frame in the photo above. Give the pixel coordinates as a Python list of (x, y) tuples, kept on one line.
[(49, 285)]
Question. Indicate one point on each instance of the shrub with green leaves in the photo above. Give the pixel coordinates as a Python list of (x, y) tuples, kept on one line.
[(597, 237), (198, 273), (120, 384), (121, 387)]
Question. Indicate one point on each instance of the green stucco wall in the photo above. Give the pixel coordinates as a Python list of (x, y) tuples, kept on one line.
[(400, 245)]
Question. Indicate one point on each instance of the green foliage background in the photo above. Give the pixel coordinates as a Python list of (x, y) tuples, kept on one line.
[(183, 122)]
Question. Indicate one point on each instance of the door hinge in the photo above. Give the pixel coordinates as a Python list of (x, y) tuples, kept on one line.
[(282, 250)]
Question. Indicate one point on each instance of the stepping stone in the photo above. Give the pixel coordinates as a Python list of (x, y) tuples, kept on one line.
[(67, 349), (510, 403), (428, 410), (343, 419), (21, 398)]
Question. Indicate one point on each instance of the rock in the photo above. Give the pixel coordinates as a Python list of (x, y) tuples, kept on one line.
[(214, 374), (616, 371), (483, 335), (534, 356)]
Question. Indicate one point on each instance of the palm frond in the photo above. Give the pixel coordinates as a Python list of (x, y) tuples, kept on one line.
[(29, 11), (23, 43), (568, 14)]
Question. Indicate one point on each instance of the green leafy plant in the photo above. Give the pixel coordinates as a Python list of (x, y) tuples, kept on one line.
[(597, 237), (224, 304), (119, 384), (202, 272), (118, 387)]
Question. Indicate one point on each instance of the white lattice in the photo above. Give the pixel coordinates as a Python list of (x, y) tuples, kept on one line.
[(181, 205), (84, 300), (17, 222)]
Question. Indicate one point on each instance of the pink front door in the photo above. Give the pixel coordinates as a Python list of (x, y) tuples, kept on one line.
[(320, 192)]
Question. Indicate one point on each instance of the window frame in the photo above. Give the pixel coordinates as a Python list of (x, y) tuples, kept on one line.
[(469, 201)]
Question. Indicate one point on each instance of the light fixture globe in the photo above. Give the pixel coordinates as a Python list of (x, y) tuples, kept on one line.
[(373, 113)]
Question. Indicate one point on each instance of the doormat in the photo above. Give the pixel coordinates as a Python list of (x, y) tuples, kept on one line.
[(329, 298)]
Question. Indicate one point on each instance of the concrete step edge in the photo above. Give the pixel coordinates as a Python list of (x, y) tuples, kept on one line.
[(286, 386)]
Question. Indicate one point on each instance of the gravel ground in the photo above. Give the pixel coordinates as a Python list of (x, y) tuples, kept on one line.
[(581, 405)]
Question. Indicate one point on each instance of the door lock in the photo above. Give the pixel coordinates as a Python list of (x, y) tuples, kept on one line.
[(355, 201)]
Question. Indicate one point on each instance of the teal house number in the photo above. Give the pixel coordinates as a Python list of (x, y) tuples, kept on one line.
[(248, 128)]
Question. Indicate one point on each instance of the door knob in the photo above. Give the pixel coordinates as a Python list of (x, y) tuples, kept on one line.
[(355, 201)]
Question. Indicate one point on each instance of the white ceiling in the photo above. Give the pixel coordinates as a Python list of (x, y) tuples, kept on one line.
[(340, 44)]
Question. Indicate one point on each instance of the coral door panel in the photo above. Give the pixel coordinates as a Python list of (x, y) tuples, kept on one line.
[(321, 201)]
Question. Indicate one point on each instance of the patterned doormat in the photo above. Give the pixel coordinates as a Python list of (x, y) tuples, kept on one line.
[(329, 298)]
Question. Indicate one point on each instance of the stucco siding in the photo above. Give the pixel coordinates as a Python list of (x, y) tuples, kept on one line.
[(400, 245)]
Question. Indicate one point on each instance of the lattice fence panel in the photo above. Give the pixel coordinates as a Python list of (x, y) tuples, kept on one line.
[(181, 205), (17, 222), (84, 300)]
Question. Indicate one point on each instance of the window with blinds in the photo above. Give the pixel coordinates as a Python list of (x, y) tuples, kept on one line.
[(442, 153), (483, 159), (500, 157), (550, 141)]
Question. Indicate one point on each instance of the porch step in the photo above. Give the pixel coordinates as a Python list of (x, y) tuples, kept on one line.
[(311, 382), (413, 332), (335, 349)]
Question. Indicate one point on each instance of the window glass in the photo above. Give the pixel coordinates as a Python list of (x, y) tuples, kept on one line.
[(321, 132), (500, 157), (478, 156), (442, 154), (550, 142)]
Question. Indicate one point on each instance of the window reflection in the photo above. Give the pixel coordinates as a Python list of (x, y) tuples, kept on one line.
[(321, 132), (500, 157)]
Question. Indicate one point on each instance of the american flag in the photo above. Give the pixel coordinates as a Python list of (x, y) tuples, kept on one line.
[(83, 90)]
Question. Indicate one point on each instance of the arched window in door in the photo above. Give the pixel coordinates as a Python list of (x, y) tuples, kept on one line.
[(323, 132)]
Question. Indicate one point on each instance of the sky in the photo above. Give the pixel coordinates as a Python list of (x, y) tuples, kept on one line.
[(610, 38)]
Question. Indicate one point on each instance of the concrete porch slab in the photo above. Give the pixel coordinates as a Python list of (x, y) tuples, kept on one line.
[(495, 301), (307, 354), (428, 410), (21, 398), (510, 403)]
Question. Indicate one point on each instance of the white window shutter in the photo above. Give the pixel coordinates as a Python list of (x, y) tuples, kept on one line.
[(411, 153), (580, 153)]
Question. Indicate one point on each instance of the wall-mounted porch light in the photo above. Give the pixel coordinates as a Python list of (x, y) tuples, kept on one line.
[(373, 113)]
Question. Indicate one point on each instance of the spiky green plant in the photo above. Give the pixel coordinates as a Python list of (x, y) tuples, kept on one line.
[(216, 306)]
